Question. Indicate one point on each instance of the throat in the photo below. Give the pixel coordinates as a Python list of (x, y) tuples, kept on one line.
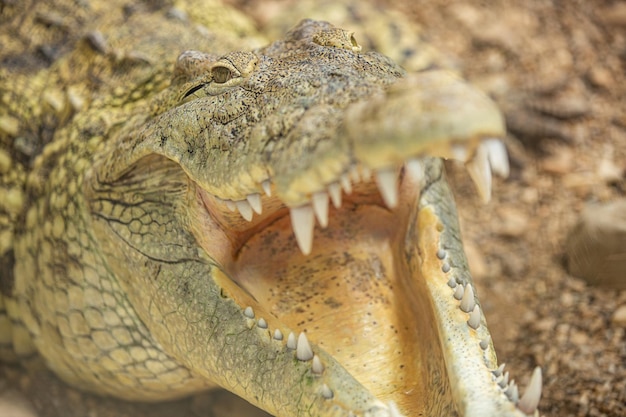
[(355, 296)]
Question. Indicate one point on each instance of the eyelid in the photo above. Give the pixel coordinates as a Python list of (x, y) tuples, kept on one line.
[(193, 90)]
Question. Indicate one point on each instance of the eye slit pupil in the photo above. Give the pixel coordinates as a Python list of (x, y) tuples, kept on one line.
[(193, 90), (221, 74)]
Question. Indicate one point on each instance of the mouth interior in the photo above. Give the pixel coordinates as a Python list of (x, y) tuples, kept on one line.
[(359, 295)]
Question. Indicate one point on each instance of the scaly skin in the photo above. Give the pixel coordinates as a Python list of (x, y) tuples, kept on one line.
[(128, 274)]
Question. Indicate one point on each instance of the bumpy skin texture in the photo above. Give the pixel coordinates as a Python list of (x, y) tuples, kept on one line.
[(120, 259)]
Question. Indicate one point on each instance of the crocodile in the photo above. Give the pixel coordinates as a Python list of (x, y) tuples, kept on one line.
[(185, 209)]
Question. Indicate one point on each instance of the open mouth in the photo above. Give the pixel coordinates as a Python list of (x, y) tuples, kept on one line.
[(371, 273)]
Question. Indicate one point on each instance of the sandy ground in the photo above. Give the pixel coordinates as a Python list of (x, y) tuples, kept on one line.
[(558, 70)]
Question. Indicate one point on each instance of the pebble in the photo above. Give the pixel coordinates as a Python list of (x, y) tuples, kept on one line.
[(14, 404), (619, 316), (595, 247)]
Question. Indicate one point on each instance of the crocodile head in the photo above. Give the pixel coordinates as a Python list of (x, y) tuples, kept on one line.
[(282, 225)]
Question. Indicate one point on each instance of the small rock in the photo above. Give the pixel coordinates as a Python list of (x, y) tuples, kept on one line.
[(560, 162), (619, 316), (13, 404), (601, 77), (514, 223), (596, 247), (609, 172)]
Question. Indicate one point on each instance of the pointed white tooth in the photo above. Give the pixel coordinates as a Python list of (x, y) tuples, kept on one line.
[(387, 180), (458, 293), (262, 323), (484, 344), (230, 204), (317, 367), (480, 172), (344, 180), (530, 400), (474, 318), (512, 392), (278, 335), (334, 190), (459, 152), (504, 381), (452, 282), (326, 392), (248, 312), (415, 169), (267, 189), (498, 157), (467, 302), (291, 341), (303, 348), (498, 372), (354, 174), (320, 207), (255, 202), (303, 222), (244, 209)]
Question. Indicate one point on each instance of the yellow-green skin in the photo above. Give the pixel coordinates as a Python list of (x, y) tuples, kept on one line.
[(102, 273)]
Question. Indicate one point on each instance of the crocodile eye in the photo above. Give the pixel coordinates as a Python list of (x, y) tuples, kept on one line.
[(221, 74)]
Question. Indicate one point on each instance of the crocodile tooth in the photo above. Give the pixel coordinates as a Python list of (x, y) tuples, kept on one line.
[(452, 282), (291, 341), (303, 348), (498, 157), (244, 209), (474, 318), (262, 323), (354, 174), (230, 204), (326, 392), (303, 222), (255, 202), (530, 400), (458, 293), (334, 190), (415, 169), (278, 335), (467, 302), (320, 207), (386, 179), (480, 172), (512, 392), (459, 152), (317, 367), (441, 254), (504, 381), (267, 188), (484, 344), (498, 372), (344, 180)]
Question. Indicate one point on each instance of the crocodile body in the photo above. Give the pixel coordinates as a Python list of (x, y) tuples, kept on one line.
[(163, 174)]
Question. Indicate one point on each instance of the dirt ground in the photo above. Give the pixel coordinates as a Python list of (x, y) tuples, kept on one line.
[(558, 70)]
